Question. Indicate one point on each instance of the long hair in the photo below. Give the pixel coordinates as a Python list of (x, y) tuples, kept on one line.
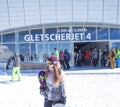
[(57, 74)]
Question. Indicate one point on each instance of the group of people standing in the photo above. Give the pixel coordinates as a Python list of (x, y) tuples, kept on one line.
[(88, 57), (96, 57), (63, 57)]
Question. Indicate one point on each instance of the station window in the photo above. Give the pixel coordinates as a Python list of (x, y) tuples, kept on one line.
[(11, 47), (21, 36), (114, 33), (0, 38), (116, 45), (102, 33), (25, 51), (40, 53), (8, 37), (90, 33)]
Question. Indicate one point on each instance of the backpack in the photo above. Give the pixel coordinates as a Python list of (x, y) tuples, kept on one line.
[(41, 78), (113, 54)]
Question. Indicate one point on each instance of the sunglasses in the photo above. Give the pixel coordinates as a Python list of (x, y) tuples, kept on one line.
[(50, 62)]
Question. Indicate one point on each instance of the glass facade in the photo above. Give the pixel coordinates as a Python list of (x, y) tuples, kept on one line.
[(34, 28), (37, 44)]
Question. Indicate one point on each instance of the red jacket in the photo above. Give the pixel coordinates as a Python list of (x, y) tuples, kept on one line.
[(87, 55)]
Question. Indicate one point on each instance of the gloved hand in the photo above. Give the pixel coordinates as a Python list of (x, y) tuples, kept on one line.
[(42, 90), (62, 101)]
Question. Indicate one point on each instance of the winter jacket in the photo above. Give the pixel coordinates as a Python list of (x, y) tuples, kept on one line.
[(87, 55), (67, 55), (61, 55), (56, 54), (95, 54), (16, 61), (53, 92)]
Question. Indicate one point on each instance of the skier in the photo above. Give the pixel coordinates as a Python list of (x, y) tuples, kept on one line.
[(16, 67)]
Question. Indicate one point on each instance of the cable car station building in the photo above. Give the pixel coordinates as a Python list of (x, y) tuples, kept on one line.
[(34, 28)]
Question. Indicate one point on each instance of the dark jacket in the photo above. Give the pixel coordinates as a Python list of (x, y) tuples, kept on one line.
[(16, 61)]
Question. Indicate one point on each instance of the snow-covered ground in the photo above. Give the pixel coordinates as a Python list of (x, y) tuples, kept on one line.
[(83, 90)]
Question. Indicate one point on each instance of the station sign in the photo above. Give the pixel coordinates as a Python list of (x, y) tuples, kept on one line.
[(63, 34)]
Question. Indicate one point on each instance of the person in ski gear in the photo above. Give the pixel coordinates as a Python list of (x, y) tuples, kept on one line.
[(55, 86), (112, 57), (16, 67), (56, 53), (105, 57), (62, 59), (67, 58)]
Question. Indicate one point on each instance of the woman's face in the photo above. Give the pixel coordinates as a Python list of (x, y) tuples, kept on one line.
[(50, 67)]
